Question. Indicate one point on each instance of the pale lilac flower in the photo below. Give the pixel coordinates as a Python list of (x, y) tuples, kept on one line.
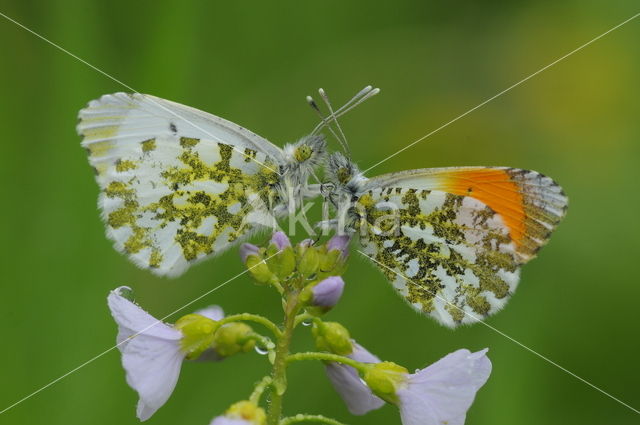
[(280, 240), (345, 379), (443, 392), (339, 242), (224, 420), (151, 350), (151, 354), (327, 293), (247, 249)]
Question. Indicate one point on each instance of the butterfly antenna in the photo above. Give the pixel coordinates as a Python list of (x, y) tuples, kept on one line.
[(361, 96), (325, 120), (353, 102), (343, 142)]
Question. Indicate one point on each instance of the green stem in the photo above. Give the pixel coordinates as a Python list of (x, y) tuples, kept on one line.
[(279, 376), (259, 389), (309, 418), (247, 317), (328, 357), (303, 317)]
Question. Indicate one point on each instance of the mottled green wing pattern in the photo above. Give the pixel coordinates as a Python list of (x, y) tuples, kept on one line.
[(173, 193), (449, 256), (452, 240)]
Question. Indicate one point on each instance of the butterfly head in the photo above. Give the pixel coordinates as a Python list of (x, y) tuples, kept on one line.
[(344, 174), (306, 154)]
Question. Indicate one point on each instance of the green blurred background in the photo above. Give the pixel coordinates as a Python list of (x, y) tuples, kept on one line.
[(253, 63)]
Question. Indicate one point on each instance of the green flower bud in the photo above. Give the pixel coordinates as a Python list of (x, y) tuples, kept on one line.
[(259, 269), (233, 338), (282, 263), (332, 337), (384, 379), (247, 411), (309, 262), (198, 332), (330, 260)]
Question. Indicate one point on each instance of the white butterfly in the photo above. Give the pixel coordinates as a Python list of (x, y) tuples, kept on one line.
[(179, 185), (451, 240)]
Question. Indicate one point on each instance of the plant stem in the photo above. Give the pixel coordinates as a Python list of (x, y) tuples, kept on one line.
[(247, 317), (259, 389), (279, 376), (360, 367)]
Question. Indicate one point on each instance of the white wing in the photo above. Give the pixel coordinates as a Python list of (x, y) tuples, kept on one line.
[(452, 240), (178, 184)]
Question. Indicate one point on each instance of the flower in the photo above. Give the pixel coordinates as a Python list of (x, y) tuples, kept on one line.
[(438, 394), (444, 391), (247, 249), (242, 413), (280, 240), (153, 351), (327, 292), (346, 381), (341, 243)]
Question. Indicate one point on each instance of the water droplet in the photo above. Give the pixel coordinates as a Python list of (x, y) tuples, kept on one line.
[(306, 322), (261, 350), (125, 292)]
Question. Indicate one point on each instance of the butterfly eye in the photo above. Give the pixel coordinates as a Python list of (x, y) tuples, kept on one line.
[(343, 175), (302, 153)]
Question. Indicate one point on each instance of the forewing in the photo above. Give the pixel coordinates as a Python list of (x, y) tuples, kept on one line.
[(452, 240), (177, 184)]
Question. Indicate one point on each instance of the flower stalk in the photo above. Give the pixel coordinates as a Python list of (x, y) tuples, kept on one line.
[(308, 279)]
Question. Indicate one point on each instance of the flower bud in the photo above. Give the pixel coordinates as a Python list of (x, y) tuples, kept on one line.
[(340, 243), (332, 337), (259, 269), (280, 240), (327, 292), (247, 249), (233, 338), (198, 332), (242, 412), (310, 262), (385, 379)]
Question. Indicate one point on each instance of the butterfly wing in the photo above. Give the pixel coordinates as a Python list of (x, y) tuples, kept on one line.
[(177, 184), (451, 240)]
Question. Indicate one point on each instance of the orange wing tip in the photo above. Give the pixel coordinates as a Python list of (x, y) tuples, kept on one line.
[(531, 204)]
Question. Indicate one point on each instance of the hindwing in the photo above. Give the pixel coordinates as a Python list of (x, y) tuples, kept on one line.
[(452, 240)]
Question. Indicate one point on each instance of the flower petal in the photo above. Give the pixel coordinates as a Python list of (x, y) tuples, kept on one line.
[(132, 319), (444, 391), (327, 293), (345, 379), (247, 249), (362, 355), (213, 312), (280, 240), (152, 368), (223, 420), (356, 395), (339, 242)]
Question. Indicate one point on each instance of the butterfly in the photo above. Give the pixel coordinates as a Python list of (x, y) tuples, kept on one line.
[(179, 185), (450, 240)]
